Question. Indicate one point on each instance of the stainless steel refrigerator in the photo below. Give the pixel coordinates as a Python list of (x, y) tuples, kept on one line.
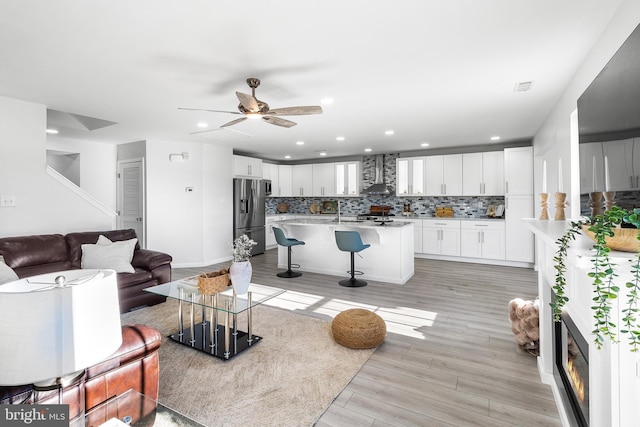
[(248, 211)]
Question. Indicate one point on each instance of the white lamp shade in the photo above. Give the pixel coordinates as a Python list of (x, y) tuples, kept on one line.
[(47, 332)]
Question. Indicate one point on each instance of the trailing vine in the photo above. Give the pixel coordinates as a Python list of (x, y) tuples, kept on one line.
[(603, 276)]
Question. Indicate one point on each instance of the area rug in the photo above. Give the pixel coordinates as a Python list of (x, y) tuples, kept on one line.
[(288, 379)]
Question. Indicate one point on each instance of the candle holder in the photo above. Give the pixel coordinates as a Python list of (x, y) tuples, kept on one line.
[(595, 198), (544, 205), (560, 205), (609, 199)]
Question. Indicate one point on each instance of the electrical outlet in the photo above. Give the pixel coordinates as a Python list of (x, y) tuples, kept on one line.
[(7, 201)]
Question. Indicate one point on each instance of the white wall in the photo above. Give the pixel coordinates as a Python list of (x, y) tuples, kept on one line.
[(97, 167), (553, 140), (43, 204), (194, 227)]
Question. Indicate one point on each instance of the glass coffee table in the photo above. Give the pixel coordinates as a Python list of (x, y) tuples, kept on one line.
[(216, 332), (133, 408)]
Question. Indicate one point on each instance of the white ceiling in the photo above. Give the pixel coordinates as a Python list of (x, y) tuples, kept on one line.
[(441, 72)]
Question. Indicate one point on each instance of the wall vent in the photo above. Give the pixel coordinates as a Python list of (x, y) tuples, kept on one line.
[(523, 86)]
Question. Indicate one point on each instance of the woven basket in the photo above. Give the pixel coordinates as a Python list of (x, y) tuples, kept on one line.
[(214, 282)]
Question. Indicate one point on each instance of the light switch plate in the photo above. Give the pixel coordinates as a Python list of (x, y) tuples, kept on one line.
[(7, 201)]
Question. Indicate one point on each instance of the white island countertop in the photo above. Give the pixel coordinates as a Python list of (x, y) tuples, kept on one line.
[(389, 258)]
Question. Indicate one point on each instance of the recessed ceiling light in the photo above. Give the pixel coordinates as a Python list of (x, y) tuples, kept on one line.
[(323, 153), (495, 138), (367, 150), (340, 138), (203, 125), (424, 144), (326, 101), (388, 132), (300, 143), (287, 156), (52, 131)]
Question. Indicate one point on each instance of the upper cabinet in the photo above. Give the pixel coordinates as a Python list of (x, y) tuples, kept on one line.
[(284, 181), (619, 164), (301, 180), (347, 178), (483, 174), (443, 175), (410, 177), (247, 167), (323, 179), (591, 167), (518, 171)]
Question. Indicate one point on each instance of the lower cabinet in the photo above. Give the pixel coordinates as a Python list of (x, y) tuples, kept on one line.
[(482, 239), (441, 237), (417, 234)]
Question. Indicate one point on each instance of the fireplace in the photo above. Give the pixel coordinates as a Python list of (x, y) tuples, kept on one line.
[(571, 369)]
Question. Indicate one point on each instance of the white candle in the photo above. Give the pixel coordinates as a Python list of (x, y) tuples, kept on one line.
[(544, 176), (606, 174), (594, 174), (560, 176)]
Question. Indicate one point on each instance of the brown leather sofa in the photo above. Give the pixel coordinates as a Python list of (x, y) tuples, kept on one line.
[(47, 253), (133, 366)]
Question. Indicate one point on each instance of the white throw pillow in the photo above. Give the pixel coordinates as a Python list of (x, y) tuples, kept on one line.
[(115, 256), (103, 240), (6, 273)]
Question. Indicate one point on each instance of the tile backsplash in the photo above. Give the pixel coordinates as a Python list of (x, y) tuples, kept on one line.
[(420, 206)]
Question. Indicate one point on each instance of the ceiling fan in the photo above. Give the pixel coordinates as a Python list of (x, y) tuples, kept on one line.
[(252, 108)]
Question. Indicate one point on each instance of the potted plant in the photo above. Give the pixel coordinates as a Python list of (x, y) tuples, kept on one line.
[(608, 232), (240, 270)]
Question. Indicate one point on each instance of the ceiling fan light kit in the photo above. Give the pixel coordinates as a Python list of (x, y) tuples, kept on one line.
[(252, 108)]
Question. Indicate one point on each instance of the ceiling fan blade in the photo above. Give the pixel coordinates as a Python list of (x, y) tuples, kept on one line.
[(234, 122), (295, 111), (248, 102), (278, 121), (211, 111)]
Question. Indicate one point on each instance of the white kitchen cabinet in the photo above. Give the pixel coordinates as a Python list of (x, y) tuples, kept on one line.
[(443, 175), (619, 156), (591, 179), (518, 171), (323, 179), (247, 167), (441, 237), (417, 233), (410, 176), (347, 178), (284, 180), (301, 180), (483, 174), (274, 176), (519, 240), (482, 239)]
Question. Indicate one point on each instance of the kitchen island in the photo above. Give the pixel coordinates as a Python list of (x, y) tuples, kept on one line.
[(389, 259)]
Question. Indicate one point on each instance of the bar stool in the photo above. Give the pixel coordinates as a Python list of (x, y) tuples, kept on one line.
[(288, 242), (349, 241)]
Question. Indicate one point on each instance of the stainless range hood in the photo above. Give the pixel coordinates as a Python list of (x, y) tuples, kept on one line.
[(379, 187)]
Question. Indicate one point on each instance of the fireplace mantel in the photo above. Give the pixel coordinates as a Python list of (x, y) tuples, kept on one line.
[(614, 370)]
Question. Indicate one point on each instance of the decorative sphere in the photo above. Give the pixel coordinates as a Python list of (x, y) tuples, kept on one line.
[(60, 280)]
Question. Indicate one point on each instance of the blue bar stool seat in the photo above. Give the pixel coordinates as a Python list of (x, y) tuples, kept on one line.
[(350, 241), (288, 242)]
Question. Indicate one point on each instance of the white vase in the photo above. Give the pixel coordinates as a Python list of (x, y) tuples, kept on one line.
[(240, 275)]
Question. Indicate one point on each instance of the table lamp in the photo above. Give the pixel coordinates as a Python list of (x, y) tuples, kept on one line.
[(55, 325)]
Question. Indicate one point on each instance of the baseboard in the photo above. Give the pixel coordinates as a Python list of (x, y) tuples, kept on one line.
[(476, 260)]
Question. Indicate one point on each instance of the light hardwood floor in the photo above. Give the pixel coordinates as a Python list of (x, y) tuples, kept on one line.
[(449, 357)]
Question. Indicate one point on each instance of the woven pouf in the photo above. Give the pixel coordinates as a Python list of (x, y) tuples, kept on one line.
[(358, 328)]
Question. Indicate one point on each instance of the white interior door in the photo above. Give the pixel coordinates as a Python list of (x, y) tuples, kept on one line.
[(131, 212)]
